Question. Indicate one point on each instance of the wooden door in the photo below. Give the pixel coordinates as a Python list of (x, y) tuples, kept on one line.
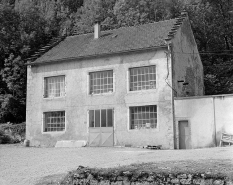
[(106, 136), (94, 136), (184, 135)]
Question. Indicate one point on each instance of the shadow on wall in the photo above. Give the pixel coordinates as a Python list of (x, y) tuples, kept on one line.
[(218, 137)]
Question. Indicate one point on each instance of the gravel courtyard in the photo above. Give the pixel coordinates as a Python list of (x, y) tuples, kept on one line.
[(25, 166)]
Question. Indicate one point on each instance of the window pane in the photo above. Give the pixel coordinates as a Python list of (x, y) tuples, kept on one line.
[(54, 121), (97, 118), (46, 87), (110, 117), (143, 117), (141, 78), (103, 118), (91, 118), (102, 82), (110, 74), (54, 86)]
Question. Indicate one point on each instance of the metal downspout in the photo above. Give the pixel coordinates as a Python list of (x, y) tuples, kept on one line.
[(173, 107), (215, 134)]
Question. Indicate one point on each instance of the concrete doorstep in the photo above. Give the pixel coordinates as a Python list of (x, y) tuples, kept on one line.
[(70, 144)]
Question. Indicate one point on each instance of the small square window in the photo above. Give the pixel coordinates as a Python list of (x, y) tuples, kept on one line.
[(142, 78), (101, 82), (54, 121), (54, 86), (143, 117)]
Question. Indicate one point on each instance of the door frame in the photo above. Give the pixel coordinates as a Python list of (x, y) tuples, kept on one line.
[(177, 133), (88, 126)]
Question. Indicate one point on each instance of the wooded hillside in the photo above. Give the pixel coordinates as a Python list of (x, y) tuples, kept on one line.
[(27, 25)]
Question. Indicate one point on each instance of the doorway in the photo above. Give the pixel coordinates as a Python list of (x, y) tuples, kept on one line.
[(184, 135), (101, 127)]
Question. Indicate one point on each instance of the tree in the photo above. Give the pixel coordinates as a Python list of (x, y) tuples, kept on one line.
[(212, 27), (21, 35), (72, 5), (89, 12), (9, 32), (9, 44), (118, 13)]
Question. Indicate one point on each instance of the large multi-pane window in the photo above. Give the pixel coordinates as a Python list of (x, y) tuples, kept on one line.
[(101, 82), (54, 121), (101, 118), (54, 86), (143, 117), (142, 78)]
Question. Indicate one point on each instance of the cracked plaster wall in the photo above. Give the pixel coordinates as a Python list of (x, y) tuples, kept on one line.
[(186, 68), (187, 65)]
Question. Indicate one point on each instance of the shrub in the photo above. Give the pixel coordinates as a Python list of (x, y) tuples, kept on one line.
[(5, 138), (12, 133)]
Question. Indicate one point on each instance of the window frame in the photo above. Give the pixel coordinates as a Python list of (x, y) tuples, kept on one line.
[(142, 90), (43, 122), (44, 86), (130, 118), (100, 118), (89, 82)]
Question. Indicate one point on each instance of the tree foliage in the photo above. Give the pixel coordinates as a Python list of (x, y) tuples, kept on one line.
[(212, 26), (26, 25), (9, 32), (118, 13), (20, 35)]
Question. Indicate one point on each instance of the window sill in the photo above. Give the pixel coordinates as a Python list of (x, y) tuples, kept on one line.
[(102, 94), (54, 133), (54, 98), (142, 91), (144, 130)]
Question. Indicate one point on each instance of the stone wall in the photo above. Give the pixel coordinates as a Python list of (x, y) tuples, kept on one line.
[(117, 177)]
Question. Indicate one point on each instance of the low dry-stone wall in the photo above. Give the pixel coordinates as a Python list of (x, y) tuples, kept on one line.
[(89, 176)]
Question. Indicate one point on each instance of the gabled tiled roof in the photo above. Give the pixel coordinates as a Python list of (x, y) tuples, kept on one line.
[(120, 40)]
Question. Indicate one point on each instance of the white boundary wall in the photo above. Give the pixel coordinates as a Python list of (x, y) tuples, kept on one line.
[(208, 117)]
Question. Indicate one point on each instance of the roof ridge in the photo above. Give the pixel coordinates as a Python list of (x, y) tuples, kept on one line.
[(123, 27), (141, 24)]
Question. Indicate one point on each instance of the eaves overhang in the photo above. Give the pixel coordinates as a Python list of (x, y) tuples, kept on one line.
[(68, 59)]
